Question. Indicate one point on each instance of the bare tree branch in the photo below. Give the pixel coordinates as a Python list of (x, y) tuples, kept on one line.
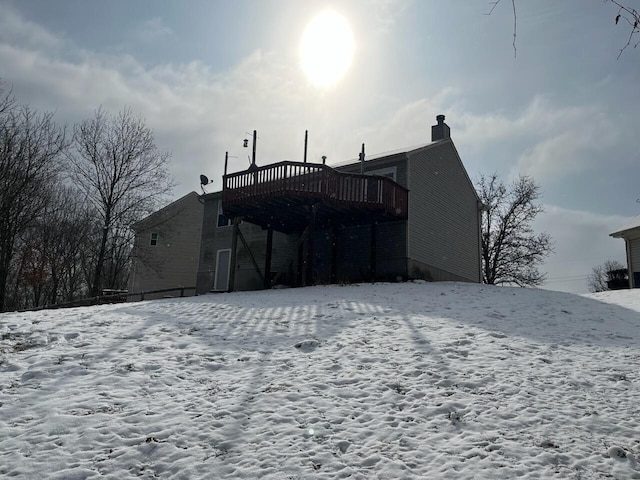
[(626, 13), (494, 4), (632, 17)]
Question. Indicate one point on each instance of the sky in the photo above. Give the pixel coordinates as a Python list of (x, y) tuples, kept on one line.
[(204, 74)]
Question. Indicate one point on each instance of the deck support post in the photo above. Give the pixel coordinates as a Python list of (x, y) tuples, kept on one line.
[(251, 257), (299, 273), (308, 278), (373, 252), (267, 260), (234, 253), (334, 253)]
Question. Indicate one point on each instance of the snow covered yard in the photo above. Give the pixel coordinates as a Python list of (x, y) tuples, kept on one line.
[(415, 380)]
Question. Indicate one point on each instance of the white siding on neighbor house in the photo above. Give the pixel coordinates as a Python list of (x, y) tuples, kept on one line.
[(444, 225), (173, 261)]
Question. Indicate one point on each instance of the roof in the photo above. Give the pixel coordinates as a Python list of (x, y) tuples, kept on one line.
[(391, 153), (145, 220), (630, 225)]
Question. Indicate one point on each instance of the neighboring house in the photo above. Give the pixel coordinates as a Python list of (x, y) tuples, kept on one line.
[(408, 215), (167, 246), (630, 232)]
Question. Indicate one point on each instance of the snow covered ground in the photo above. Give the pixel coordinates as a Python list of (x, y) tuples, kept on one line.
[(414, 380)]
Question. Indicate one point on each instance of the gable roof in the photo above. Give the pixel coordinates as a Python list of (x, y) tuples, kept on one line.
[(630, 225), (158, 213), (392, 153)]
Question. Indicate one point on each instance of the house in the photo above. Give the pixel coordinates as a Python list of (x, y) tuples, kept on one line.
[(630, 233), (407, 215), (411, 214), (167, 247)]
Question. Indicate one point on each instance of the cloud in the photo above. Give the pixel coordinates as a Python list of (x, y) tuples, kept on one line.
[(194, 113), (387, 12), (546, 140), (569, 138), (152, 30), (14, 30), (199, 114)]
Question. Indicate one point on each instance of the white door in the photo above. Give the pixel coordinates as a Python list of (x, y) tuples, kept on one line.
[(223, 264)]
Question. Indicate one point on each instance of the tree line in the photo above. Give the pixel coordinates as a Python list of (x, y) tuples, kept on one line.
[(68, 200)]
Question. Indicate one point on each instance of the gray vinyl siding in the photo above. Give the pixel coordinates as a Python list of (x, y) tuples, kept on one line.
[(173, 262), (216, 238), (443, 230)]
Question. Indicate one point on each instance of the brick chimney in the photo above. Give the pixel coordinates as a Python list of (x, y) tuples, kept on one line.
[(441, 130)]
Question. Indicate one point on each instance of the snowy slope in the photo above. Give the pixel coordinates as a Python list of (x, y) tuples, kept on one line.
[(414, 380)]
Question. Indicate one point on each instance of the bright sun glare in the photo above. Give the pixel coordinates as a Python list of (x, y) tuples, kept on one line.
[(326, 49)]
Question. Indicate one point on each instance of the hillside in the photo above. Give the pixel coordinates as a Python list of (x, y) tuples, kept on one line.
[(414, 380)]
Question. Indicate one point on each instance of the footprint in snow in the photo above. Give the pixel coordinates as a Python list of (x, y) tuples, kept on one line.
[(622, 455), (307, 345)]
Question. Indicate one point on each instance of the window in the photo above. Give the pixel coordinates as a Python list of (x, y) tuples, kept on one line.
[(389, 172), (154, 239), (223, 220)]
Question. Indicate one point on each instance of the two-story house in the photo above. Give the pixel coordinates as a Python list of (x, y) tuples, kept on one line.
[(412, 214)]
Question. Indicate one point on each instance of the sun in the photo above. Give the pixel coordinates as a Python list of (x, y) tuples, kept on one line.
[(326, 49)]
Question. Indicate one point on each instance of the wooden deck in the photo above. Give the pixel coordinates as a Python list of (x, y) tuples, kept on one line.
[(283, 195)]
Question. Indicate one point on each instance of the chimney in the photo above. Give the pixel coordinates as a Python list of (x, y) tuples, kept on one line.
[(441, 130)]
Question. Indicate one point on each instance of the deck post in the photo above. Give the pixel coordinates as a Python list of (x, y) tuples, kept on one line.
[(306, 138), (253, 154), (250, 253), (267, 260), (334, 252), (373, 252), (299, 278), (234, 252), (308, 279)]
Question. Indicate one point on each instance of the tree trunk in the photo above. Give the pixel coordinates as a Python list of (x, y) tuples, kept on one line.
[(5, 261), (97, 276)]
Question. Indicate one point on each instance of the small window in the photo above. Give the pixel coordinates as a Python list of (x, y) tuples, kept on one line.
[(154, 240), (223, 220), (389, 172)]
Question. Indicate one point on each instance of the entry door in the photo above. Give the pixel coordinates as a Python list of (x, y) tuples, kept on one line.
[(223, 262)]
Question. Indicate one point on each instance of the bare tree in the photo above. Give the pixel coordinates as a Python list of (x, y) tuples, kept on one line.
[(123, 174), (31, 148), (52, 248), (625, 13), (600, 275), (511, 251)]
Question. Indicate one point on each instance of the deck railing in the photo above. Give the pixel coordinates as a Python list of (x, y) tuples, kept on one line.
[(316, 181)]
